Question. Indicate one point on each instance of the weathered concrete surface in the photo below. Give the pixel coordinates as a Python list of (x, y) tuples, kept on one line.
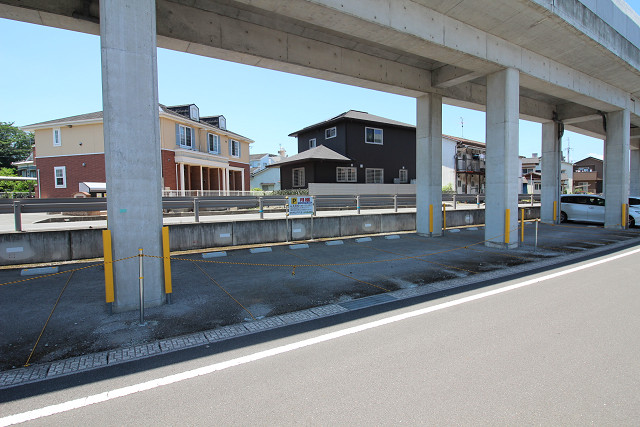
[(132, 145), (502, 166), (429, 159)]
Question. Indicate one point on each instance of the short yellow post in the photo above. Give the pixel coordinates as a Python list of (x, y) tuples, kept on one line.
[(624, 215), (444, 216), (555, 210), (108, 266), (430, 219), (166, 258), (521, 225), (507, 220)]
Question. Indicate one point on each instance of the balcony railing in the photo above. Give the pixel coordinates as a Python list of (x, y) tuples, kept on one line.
[(470, 165)]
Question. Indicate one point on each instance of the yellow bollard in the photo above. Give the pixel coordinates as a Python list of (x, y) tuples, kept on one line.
[(430, 218), (521, 225), (167, 263), (108, 266), (507, 220), (624, 215), (555, 210), (444, 216)]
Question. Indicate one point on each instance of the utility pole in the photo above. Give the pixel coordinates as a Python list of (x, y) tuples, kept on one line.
[(462, 124), (569, 150)]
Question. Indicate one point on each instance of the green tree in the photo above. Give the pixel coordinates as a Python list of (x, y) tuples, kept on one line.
[(15, 144), (14, 186)]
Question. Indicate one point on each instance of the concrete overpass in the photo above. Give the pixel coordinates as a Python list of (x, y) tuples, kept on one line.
[(567, 64)]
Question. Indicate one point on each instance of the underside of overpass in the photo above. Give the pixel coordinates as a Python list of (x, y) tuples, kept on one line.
[(564, 63)]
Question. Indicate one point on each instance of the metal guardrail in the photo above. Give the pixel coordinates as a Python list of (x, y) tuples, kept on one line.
[(195, 204)]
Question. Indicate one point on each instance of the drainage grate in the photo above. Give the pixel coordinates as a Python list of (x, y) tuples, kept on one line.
[(367, 301)]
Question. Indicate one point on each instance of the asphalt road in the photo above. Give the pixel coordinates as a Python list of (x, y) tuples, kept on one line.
[(558, 350)]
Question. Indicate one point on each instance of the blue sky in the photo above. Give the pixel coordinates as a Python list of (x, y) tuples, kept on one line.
[(48, 73)]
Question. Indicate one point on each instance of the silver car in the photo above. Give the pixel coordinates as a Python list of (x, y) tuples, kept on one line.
[(590, 208)]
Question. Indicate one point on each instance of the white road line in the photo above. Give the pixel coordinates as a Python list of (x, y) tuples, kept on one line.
[(205, 370)]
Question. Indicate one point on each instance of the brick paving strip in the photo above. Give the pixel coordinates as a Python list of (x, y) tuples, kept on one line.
[(39, 372)]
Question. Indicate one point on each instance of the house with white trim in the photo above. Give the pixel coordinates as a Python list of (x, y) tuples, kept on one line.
[(199, 154)]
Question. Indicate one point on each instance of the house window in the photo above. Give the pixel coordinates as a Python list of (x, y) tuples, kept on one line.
[(374, 176), (213, 141), (186, 134), (404, 176), (234, 148), (194, 113), (57, 140), (330, 133), (346, 174), (312, 143), (60, 174), (373, 136), (298, 177), (537, 186)]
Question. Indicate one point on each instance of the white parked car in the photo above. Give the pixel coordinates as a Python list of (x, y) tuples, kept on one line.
[(590, 208)]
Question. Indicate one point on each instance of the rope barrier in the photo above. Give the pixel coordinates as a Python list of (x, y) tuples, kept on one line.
[(225, 291), (329, 266), (48, 318)]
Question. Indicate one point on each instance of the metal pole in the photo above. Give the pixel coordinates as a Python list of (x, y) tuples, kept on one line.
[(196, 209), (358, 203), (140, 256), (455, 202), (261, 207), (535, 246), (478, 200), (17, 210), (395, 203), (532, 198)]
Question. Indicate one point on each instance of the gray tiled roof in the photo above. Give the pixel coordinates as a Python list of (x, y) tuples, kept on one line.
[(99, 116), (354, 115), (317, 153)]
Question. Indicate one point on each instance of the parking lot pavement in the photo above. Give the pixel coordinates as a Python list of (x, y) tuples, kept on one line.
[(215, 298)]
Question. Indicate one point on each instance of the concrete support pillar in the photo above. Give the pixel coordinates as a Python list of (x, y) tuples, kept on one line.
[(616, 167), (242, 181), (225, 181), (429, 159), (634, 173), (131, 139), (551, 158), (182, 178), (502, 163), (201, 180)]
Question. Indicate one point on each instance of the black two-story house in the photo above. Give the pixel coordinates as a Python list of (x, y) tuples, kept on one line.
[(354, 147)]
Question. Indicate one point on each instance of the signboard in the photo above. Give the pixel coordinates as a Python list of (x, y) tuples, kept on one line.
[(301, 205)]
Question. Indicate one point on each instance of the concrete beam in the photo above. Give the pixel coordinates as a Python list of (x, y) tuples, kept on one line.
[(448, 75)]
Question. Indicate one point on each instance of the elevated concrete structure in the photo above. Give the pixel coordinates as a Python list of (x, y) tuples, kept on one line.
[(552, 155), (576, 62), (429, 157), (132, 146), (502, 159)]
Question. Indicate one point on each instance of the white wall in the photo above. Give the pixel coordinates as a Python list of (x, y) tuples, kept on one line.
[(316, 189), (448, 162), (266, 175)]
